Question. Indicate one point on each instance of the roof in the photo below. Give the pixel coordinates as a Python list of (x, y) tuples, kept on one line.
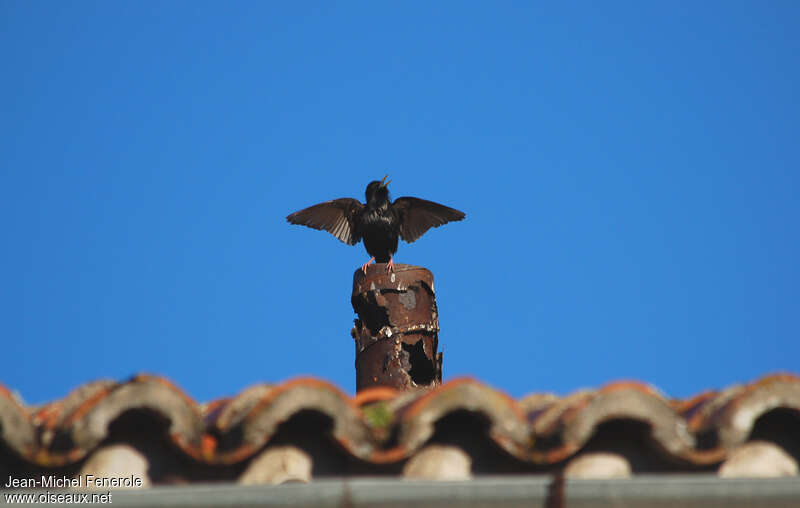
[(307, 428)]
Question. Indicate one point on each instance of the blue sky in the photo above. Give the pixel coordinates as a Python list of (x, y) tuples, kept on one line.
[(629, 172)]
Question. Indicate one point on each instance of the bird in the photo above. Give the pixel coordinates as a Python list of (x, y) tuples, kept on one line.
[(379, 222)]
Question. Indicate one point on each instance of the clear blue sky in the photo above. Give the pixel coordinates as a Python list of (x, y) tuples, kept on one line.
[(629, 172)]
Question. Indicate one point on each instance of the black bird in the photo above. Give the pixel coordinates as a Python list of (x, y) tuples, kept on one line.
[(378, 223)]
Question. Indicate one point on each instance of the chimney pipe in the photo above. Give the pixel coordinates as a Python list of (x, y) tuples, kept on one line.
[(397, 330)]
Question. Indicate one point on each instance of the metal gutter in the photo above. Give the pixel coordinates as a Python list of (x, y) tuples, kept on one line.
[(645, 491)]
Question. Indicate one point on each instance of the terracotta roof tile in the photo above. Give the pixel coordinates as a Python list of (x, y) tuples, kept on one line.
[(382, 428)]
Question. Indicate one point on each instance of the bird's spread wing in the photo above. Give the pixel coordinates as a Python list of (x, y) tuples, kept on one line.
[(419, 215), (338, 217)]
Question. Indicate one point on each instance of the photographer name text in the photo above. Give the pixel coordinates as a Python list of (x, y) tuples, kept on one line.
[(89, 481)]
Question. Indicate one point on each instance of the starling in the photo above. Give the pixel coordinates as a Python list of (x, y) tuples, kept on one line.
[(379, 222)]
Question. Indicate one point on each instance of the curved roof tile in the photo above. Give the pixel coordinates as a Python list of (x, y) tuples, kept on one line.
[(381, 425)]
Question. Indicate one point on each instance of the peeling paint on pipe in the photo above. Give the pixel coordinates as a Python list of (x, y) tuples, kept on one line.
[(397, 330)]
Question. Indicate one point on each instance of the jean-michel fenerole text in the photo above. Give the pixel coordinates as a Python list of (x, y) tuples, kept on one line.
[(87, 481)]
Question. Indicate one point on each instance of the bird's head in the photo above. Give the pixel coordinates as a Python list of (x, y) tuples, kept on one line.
[(378, 189)]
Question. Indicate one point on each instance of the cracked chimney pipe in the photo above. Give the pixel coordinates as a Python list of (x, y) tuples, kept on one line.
[(397, 330)]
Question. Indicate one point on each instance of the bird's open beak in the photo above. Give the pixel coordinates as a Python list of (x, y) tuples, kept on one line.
[(384, 183)]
